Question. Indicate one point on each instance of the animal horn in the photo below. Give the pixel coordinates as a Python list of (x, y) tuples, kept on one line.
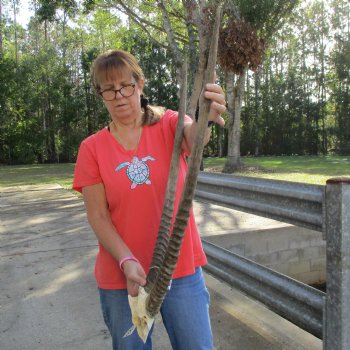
[(158, 291), (168, 207)]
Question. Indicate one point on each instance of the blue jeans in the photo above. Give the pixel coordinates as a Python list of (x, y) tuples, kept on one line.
[(185, 314)]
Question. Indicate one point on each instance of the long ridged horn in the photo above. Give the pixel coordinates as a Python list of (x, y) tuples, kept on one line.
[(168, 207), (159, 289)]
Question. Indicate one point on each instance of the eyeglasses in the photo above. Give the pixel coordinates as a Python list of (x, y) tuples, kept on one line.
[(126, 91)]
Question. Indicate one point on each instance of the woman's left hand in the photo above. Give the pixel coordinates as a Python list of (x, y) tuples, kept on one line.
[(215, 93)]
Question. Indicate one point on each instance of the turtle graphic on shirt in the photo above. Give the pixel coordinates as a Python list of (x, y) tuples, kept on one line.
[(137, 171)]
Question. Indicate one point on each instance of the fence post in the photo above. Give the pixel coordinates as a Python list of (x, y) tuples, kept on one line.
[(337, 317)]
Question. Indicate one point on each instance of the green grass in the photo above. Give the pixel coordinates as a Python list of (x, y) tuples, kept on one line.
[(37, 174), (308, 169)]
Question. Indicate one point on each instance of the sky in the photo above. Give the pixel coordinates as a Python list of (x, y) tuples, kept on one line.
[(24, 13)]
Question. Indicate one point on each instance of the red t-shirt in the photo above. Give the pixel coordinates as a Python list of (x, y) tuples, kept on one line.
[(135, 183)]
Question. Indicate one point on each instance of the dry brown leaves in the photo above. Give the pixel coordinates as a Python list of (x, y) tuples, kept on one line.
[(239, 47)]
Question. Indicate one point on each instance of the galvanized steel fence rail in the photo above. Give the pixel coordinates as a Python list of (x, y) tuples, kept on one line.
[(296, 203), (321, 208), (293, 300)]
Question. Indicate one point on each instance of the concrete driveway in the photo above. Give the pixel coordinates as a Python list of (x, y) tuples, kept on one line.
[(49, 298)]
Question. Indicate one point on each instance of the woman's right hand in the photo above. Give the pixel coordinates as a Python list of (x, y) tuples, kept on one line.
[(135, 277)]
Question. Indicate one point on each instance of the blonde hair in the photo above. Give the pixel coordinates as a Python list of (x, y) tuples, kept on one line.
[(115, 62)]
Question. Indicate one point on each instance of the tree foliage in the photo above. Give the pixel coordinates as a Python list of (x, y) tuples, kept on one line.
[(297, 102)]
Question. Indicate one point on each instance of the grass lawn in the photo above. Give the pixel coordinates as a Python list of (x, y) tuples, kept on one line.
[(310, 169), (36, 174)]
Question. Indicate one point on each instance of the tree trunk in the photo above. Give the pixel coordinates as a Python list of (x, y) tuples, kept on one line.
[(171, 40), (257, 132), (323, 85), (234, 100), (220, 142), (230, 81), (1, 28), (15, 28), (197, 12), (191, 12)]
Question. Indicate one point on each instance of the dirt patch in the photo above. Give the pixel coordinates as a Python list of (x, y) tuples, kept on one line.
[(250, 169)]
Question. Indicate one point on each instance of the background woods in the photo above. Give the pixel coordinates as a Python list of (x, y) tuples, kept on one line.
[(297, 101)]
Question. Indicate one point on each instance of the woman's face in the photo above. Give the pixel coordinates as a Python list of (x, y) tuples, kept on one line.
[(125, 110)]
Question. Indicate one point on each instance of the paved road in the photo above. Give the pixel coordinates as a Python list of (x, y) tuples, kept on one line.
[(48, 296)]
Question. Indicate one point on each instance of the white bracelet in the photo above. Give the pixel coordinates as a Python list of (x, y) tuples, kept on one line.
[(121, 262)]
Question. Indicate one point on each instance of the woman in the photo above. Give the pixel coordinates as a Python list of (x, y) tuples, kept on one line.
[(122, 173)]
